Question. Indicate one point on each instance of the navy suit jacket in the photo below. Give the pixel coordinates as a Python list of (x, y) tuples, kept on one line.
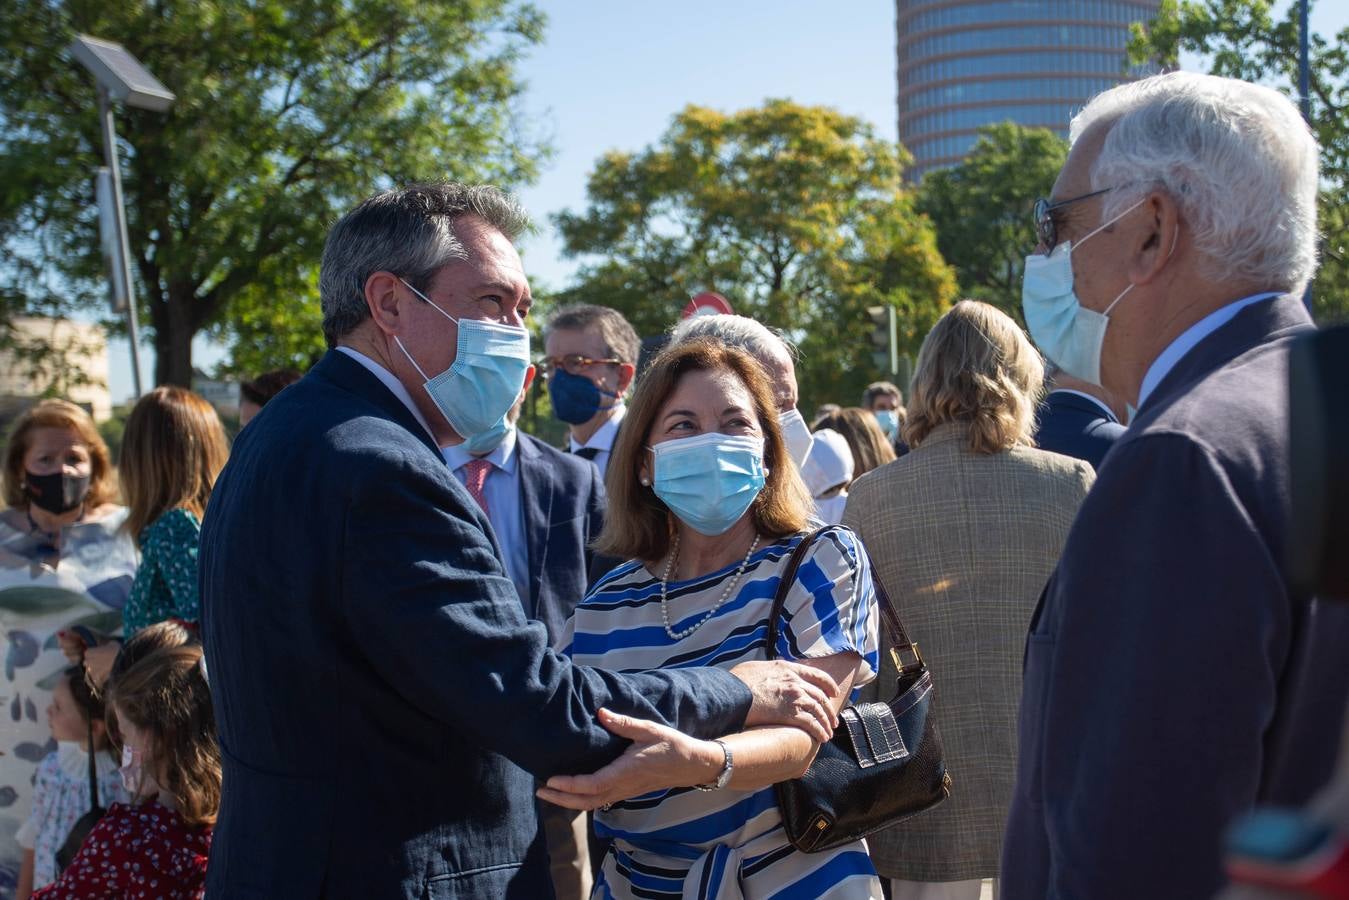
[(1172, 678), (1075, 426), (383, 704), (564, 505)]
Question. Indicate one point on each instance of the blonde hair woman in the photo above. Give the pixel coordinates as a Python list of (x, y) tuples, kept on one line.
[(965, 530), (707, 507), (173, 449)]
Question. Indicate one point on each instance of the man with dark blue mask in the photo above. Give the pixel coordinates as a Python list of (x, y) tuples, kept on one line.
[(591, 360), (1173, 676)]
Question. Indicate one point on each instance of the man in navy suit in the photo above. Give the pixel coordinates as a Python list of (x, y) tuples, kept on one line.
[(546, 507), (1076, 418), (1173, 677), (383, 704)]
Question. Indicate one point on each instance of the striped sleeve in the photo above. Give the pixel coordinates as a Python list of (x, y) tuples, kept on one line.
[(831, 608)]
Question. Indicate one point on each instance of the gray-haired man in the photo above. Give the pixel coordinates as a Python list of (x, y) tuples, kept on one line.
[(382, 703)]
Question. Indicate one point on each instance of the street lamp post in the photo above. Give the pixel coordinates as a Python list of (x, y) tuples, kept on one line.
[(120, 76)]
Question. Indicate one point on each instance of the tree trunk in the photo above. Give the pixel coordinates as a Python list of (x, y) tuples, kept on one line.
[(173, 341)]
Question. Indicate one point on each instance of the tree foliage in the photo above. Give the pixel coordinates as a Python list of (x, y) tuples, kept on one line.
[(982, 208), (287, 113), (796, 214), (1243, 39)]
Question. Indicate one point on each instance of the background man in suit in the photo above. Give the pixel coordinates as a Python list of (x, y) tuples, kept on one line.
[(1077, 418), (1173, 677), (591, 360), (383, 704), (546, 507)]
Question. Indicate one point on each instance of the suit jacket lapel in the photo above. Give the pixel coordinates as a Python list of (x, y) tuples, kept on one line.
[(1257, 324), (350, 375), (536, 498)]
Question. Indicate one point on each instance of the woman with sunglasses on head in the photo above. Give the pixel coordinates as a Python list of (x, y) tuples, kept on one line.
[(707, 508)]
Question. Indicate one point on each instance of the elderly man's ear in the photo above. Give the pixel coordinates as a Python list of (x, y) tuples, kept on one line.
[(1156, 243)]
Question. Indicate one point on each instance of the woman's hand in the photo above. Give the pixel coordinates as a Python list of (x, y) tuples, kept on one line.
[(72, 645), (659, 758), (98, 662)]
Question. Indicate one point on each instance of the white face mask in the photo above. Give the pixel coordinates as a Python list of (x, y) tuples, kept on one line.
[(796, 433), (481, 385), (1066, 332)]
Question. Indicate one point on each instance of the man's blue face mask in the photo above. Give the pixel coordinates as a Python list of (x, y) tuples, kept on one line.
[(484, 380), (1066, 331)]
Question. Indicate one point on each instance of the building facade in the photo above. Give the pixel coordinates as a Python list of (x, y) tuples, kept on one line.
[(54, 358), (964, 65)]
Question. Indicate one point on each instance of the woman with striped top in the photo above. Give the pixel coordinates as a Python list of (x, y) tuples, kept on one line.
[(707, 507)]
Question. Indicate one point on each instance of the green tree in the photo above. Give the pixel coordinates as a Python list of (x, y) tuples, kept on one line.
[(982, 208), (1243, 39), (288, 112), (796, 214)]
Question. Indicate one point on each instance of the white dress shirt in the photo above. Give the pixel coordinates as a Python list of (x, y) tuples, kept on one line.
[(387, 379), (504, 504), (603, 439), (1189, 339)]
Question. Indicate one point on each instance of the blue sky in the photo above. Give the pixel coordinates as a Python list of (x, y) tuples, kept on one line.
[(610, 75)]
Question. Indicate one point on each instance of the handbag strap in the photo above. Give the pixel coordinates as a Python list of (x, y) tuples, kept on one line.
[(899, 638), (93, 768)]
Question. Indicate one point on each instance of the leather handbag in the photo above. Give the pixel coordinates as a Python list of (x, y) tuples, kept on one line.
[(884, 763), (65, 854)]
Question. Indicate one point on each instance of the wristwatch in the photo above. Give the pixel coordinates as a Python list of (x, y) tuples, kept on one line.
[(724, 778)]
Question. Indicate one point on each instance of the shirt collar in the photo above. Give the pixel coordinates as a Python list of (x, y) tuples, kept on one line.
[(503, 456), (603, 439), (1088, 397), (395, 386), (1189, 339)]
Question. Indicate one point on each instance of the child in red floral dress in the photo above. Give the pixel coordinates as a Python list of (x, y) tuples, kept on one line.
[(157, 845)]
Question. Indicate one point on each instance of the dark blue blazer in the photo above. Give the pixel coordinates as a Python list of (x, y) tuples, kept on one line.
[(1075, 426), (383, 704), (1172, 679), (564, 505)]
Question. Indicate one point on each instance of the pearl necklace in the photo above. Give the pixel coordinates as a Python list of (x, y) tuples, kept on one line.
[(725, 594)]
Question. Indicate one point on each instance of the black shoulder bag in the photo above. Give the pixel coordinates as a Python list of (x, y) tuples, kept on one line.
[(85, 824), (884, 763)]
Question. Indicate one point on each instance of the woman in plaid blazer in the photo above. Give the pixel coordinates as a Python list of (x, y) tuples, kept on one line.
[(964, 532)]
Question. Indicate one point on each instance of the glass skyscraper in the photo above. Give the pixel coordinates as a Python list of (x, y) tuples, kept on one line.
[(964, 65)]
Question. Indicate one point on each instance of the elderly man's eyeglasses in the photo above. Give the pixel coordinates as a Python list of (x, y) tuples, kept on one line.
[(573, 364), (1046, 222)]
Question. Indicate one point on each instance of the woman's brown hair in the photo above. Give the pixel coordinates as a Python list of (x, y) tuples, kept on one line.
[(67, 416), (976, 367), (172, 451), (870, 449), (165, 695), (637, 524)]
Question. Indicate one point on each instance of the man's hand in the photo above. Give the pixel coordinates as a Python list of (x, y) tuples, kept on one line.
[(658, 758), (787, 693)]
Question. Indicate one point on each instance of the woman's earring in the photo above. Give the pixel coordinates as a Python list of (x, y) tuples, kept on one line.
[(646, 482)]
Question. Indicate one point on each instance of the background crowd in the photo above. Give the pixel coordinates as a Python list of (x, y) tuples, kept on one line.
[(432, 636)]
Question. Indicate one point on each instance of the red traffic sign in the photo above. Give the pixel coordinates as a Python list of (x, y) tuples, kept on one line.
[(707, 304)]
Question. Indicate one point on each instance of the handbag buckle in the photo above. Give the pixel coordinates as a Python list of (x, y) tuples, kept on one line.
[(899, 662)]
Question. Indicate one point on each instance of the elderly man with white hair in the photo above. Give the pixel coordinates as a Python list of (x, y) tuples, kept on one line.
[(1172, 677), (773, 352)]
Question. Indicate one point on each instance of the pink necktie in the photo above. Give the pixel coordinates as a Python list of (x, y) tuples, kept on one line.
[(475, 477)]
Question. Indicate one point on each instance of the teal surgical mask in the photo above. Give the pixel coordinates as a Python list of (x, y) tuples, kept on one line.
[(485, 442), (709, 480), (484, 380), (1066, 331), (889, 421)]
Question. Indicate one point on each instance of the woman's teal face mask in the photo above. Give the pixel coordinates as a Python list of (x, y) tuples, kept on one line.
[(709, 480)]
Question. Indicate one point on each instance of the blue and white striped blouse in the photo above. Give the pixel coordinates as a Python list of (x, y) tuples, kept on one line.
[(727, 844)]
